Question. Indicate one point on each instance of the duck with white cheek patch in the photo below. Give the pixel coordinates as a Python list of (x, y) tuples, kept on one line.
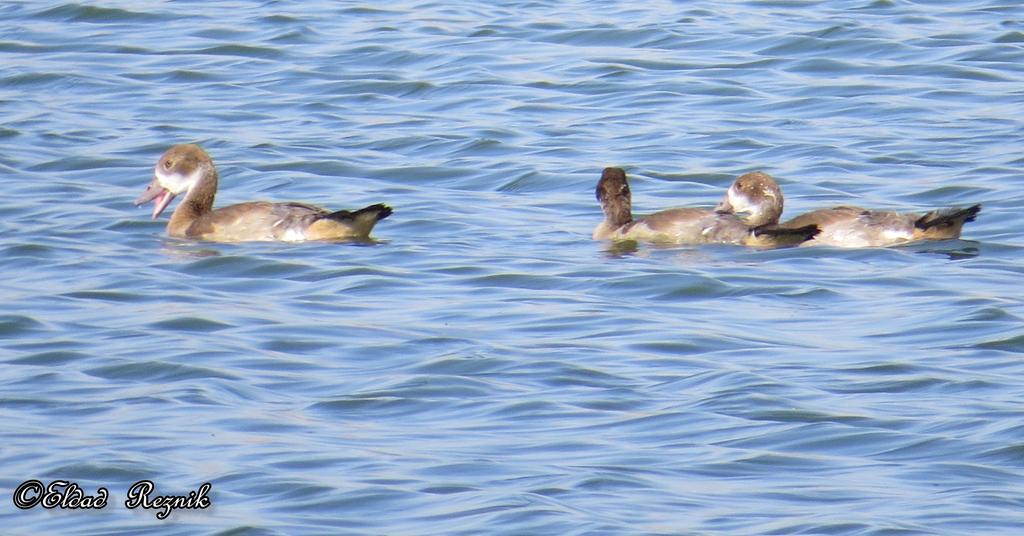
[(845, 226), (188, 170)]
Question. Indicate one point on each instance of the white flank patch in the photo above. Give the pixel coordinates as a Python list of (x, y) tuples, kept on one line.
[(293, 235), (896, 234)]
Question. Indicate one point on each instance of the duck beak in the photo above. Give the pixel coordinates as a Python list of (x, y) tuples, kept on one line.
[(724, 206), (158, 194)]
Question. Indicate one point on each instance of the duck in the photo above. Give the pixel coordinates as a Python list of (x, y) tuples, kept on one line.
[(688, 226), (187, 169), (846, 226)]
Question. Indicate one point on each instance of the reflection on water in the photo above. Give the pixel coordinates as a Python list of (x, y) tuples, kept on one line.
[(955, 250), (183, 250), (623, 248)]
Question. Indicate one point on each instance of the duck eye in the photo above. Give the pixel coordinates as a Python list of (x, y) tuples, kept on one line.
[(168, 164)]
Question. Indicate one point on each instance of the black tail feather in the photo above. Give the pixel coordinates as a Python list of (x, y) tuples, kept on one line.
[(949, 216), (380, 210), (804, 233)]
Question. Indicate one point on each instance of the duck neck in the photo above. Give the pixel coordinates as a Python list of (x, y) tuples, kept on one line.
[(198, 202), (617, 212), (767, 214)]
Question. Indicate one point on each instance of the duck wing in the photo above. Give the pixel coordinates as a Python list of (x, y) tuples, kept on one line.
[(345, 224), (825, 217)]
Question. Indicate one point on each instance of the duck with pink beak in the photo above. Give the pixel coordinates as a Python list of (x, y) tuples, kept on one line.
[(187, 169)]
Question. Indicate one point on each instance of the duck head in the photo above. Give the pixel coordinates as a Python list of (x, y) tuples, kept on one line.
[(614, 195), (755, 197), (177, 171)]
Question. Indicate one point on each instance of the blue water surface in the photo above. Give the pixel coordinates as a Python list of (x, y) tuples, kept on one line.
[(485, 367)]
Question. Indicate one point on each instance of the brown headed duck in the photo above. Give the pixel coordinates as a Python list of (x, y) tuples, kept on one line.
[(188, 169), (847, 226), (687, 225)]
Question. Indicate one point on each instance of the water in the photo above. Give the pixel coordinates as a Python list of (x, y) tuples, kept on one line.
[(485, 368)]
